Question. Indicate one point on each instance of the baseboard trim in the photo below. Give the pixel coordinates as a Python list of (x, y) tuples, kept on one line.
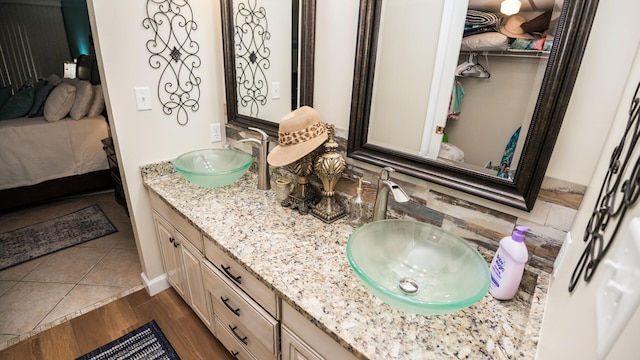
[(156, 284)]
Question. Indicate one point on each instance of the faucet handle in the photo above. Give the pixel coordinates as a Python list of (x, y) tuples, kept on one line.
[(265, 137), (384, 173)]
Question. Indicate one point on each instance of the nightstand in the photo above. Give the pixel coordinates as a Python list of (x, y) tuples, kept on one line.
[(110, 150)]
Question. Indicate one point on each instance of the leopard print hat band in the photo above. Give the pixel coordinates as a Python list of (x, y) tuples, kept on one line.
[(302, 135)]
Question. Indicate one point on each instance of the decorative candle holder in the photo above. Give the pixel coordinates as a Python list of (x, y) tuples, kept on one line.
[(329, 167), (303, 195)]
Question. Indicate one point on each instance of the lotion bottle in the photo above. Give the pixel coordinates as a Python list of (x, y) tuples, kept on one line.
[(507, 265)]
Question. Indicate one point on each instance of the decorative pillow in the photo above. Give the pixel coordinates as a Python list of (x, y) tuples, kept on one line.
[(18, 105), (485, 42), (97, 106), (84, 98), (38, 103), (59, 102), (5, 94)]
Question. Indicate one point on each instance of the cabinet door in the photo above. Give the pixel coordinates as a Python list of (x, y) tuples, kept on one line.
[(191, 258), (171, 257), (301, 339), (293, 348)]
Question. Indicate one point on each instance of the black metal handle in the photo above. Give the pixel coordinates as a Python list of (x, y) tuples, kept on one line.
[(173, 241), (235, 311), (243, 339), (235, 354), (237, 279)]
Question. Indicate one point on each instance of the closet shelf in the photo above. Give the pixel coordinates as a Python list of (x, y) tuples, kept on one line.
[(511, 53)]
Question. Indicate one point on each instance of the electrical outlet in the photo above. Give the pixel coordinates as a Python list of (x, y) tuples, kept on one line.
[(618, 295), (216, 132), (275, 90)]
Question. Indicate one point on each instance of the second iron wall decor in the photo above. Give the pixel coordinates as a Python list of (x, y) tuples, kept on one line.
[(252, 55), (174, 52)]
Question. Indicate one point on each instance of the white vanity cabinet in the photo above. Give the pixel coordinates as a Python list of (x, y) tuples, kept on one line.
[(246, 316), (245, 310), (302, 340), (181, 249)]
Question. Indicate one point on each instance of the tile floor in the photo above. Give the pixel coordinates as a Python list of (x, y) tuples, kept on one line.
[(44, 292)]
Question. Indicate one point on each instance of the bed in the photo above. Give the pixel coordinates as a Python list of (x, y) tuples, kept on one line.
[(43, 159)]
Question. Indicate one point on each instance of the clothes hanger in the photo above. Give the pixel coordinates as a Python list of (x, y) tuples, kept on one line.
[(472, 68)]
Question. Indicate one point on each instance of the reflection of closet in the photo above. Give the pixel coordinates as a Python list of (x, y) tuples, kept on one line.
[(495, 104)]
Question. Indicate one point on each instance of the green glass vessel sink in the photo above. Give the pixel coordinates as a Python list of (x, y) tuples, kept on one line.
[(417, 267), (213, 167)]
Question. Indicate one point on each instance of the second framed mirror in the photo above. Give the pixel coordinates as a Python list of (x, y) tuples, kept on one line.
[(268, 59)]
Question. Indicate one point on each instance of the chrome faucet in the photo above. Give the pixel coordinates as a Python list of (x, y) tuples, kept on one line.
[(263, 167), (386, 186)]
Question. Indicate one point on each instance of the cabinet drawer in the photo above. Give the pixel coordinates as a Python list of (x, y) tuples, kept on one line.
[(241, 277), (242, 316), (229, 341), (187, 230)]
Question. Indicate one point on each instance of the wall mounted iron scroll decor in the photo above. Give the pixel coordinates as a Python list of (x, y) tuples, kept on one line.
[(619, 192), (175, 53), (252, 55)]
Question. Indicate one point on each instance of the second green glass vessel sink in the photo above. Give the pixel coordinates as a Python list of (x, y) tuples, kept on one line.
[(213, 167), (417, 267)]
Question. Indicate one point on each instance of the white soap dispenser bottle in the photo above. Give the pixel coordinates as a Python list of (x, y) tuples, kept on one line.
[(357, 209), (507, 265)]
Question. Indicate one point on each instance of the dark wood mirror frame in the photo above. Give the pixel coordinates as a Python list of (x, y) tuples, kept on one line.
[(564, 61), (306, 31)]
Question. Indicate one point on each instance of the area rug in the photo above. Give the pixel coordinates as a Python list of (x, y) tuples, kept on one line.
[(146, 342), (30, 242)]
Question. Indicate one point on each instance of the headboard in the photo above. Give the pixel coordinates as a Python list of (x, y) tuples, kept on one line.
[(87, 69)]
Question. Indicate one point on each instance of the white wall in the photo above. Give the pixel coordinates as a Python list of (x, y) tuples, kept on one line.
[(336, 29), (603, 71), (143, 137), (604, 90), (409, 32)]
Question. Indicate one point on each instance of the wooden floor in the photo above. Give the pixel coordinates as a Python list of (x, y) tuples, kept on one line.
[(184, 330)]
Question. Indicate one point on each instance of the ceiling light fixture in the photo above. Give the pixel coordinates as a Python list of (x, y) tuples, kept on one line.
[(510, 7)]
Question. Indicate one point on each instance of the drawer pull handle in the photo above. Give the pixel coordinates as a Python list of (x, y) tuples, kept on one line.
[(235, 311), (243, 339), (235, 354), (173, 241), (230, 275)]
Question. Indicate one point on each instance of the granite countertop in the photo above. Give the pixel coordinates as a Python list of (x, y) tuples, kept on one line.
[(303, 260)]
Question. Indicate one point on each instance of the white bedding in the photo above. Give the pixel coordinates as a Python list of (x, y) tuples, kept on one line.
[(33, 150)]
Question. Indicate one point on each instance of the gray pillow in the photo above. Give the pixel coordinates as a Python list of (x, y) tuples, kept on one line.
[(82, 102), (97, 105), (59, 102)]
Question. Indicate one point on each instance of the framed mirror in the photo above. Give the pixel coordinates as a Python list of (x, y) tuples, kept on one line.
[(420, 100), (268, 59)]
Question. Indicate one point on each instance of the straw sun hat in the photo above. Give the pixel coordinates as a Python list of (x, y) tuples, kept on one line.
[(300, 132)]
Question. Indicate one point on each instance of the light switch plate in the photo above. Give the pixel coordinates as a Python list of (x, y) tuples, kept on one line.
[(275, 90), (143, 98), (618, 295)]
